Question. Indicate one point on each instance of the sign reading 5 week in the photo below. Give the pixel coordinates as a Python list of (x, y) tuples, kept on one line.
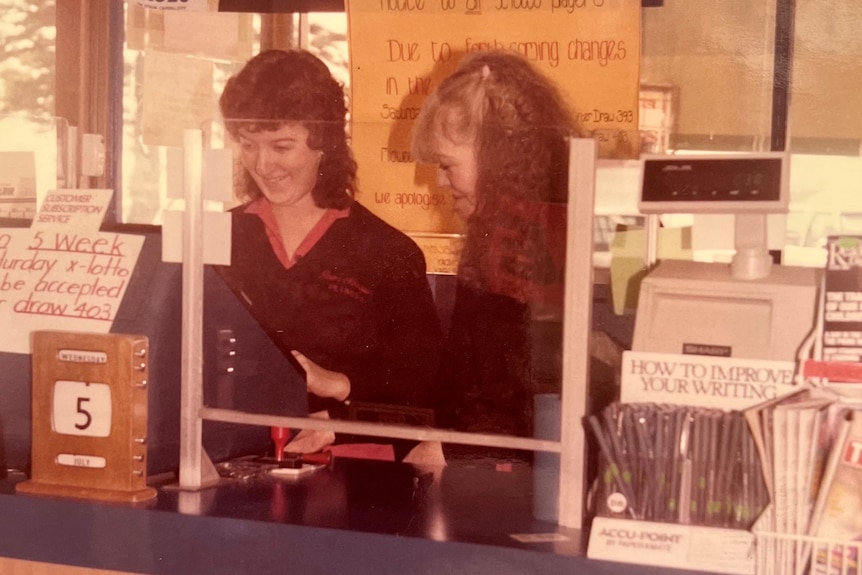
[(62, 273)]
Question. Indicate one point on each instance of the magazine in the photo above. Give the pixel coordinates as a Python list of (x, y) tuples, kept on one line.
[(837, 514), (841, 335)]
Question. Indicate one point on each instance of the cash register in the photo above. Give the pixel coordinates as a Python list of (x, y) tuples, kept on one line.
[(748, 308)]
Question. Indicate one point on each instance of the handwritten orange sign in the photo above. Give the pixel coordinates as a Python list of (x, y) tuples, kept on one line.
[(401, 49)]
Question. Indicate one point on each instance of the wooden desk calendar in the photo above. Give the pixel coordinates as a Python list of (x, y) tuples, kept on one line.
[(89, 417)]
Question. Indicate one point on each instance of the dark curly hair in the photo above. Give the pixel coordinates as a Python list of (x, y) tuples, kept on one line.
[(519, 125), (278, 87)]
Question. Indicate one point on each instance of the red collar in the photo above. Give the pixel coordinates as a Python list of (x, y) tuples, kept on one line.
[(262, 208)]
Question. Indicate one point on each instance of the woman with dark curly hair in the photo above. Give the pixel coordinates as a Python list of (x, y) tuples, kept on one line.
[(343, 291), (498, 131)]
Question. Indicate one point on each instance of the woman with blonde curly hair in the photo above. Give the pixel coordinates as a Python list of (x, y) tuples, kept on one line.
[(498, 131)]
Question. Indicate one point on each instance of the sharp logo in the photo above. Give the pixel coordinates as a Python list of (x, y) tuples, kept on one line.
[(677, 168)]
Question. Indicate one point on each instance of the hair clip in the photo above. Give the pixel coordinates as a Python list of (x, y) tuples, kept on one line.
[(486, 71)]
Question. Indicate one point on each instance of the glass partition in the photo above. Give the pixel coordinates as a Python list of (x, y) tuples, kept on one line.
[(709, 88), (825, 123), (346, 303), (195, 473), (718, 58), (166, 75), (34, 158)]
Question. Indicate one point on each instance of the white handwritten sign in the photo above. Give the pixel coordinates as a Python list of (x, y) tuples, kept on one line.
[(66, 275), (697, 380)]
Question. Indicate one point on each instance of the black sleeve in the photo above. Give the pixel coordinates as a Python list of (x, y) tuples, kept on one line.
[(405, 369), (487, 367)]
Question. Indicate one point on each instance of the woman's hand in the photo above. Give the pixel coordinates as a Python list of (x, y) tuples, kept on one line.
[(323, 382), (311, 440)]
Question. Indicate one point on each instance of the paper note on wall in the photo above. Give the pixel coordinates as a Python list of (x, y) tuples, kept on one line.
[(64, 276), (208, 34), (441, 251), (223, 36), (178, 95), (17, 184), (400, 51)]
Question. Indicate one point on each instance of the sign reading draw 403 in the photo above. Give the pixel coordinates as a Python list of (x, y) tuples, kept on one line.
[(61, 277)]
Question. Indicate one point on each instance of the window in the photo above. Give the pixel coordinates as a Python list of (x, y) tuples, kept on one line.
[(27, 34), (31, 155), (160, 57), (716, 60)]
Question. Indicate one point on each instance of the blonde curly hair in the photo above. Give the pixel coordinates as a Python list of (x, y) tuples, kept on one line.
[(519, 124)]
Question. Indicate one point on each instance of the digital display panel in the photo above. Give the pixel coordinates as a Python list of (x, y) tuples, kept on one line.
[(714, 184)]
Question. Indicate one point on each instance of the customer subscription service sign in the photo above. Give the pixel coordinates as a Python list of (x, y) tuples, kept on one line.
[(400, 50)]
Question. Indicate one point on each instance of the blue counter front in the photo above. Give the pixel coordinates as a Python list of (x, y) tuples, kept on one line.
[(357, 517)]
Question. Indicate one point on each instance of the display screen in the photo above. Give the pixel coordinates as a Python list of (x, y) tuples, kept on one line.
[(711, 184)]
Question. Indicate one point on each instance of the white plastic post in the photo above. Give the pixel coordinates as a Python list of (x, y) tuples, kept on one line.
[(652, 227), (751, 260), (577, 326), (191, 399)]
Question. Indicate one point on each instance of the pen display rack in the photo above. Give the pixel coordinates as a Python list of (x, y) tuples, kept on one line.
[(774, 489), (678, 464), (680, 485)]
